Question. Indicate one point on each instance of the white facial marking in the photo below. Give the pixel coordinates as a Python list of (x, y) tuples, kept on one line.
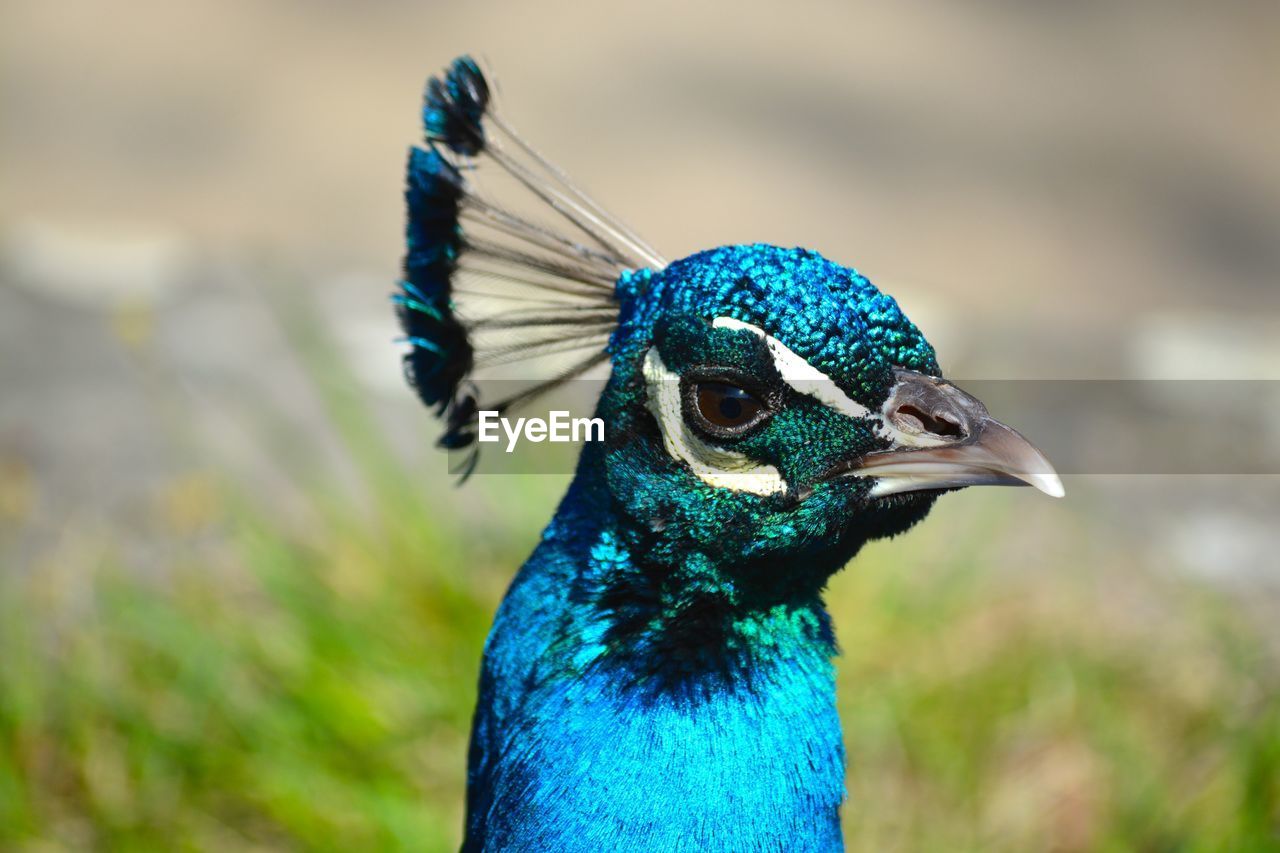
[(726, 469), (798, 373)]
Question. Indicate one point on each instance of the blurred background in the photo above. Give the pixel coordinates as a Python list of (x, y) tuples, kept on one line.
[(241, 602)]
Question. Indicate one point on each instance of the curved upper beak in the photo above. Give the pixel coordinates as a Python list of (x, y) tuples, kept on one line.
[(944, 438)]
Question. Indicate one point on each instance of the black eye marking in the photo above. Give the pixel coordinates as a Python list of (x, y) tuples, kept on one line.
[(723, 405)]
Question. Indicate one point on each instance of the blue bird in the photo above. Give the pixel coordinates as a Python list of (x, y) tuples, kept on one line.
[(659, 675)]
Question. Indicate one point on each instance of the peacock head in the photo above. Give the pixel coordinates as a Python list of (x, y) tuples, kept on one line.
[(768, 405)]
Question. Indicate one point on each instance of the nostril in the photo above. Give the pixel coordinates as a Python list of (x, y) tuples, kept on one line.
[(938, 423)]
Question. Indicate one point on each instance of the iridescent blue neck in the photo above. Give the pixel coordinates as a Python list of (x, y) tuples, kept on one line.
[(627, 696)]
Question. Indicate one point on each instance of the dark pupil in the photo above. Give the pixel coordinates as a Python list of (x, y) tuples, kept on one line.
[(726, 405)]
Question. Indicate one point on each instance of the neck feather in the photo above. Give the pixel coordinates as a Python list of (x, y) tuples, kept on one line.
[(685, 625)]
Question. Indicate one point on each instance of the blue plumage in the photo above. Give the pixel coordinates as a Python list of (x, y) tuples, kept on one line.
[(659, 675), (454, 105), (440, 354)]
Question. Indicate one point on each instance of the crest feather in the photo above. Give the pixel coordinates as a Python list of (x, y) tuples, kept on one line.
[(486, 287)]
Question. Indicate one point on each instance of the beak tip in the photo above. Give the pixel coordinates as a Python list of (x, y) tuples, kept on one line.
[(1050, 484)]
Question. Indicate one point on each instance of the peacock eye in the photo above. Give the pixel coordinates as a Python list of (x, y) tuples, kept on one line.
[(727, 408)]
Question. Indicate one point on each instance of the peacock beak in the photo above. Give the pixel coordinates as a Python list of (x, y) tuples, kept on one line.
[(944, 438)]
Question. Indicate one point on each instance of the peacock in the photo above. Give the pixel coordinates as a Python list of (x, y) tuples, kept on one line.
[(659, 675)]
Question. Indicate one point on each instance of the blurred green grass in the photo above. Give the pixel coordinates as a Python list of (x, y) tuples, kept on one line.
[(312, 689)]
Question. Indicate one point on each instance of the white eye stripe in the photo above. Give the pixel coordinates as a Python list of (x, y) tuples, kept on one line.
[(716, 466), (800, 374)]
